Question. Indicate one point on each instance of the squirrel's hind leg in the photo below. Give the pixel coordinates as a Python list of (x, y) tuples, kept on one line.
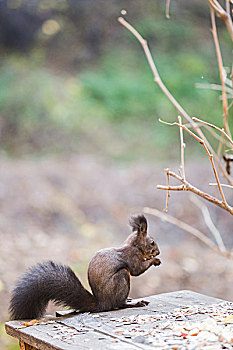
[(116, 291)]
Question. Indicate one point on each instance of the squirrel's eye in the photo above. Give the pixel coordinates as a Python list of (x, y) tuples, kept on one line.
[(152, 242)]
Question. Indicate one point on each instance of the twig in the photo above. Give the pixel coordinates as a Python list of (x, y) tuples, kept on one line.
[(198, 234), (182, 147), (209, 222), (214, 87), (223, 185), (209, 155), (228, 7), (229, 96), (231, 104), (188, 125), (211, 131), (215, 135), (157, 78), (222, 138), (160, 83), (155, 72), (168, 2), (214, 4), (168, 194), (228, 82), (171, 188), (188, 187), (220, 66), (226, 17), (214, 127)]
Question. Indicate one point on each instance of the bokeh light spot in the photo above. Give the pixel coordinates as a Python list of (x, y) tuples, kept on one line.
[(50, 27)]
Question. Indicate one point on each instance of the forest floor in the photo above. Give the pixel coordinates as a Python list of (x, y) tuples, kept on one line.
[(66, 209)]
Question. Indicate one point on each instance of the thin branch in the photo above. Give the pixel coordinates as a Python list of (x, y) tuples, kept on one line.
[(158, 81), (157, 78), (168, 194), (211, 131), (218, 137), (193, 231), (229, 96), (220, 66), (197, 191), (203, 122), (209, 222), (226, 17), (182, 147), (214, 4), (168, 2), (228, 82), (223, 185), (217, 8), (228, 7), (231, 104), (214, 127), (171, 188), (221, 72), (214, 87), (210, 157)]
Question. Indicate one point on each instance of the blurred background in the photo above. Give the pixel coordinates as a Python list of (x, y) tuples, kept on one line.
[(81, 145)]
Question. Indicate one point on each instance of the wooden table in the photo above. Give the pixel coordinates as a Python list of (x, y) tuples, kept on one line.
[(135, 328)]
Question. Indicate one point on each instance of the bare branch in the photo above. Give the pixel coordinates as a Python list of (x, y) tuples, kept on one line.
[(168, 194), (193, 231), (223, 185), (214, 127), (228, 82), (220, 66), (188, 187), (182, 147), (209, 222), (228, 7), (214, 87), (214, 4), (158, 80), (168, 8), (210, 157), (218, 137)]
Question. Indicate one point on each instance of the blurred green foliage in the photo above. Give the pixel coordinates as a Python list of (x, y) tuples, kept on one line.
[(112, 101), (7, 342)]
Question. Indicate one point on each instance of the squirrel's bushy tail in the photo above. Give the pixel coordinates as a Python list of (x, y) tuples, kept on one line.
[(45, 282)]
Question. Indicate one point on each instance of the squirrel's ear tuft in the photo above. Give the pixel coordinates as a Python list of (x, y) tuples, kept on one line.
[(138, 223)]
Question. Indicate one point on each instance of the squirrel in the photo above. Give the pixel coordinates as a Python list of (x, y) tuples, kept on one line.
[(108, 274)]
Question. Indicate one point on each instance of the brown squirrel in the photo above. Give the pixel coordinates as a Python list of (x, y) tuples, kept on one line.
[(108, 273)]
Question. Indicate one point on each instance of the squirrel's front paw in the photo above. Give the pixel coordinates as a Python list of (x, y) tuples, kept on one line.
[(142, 303), (157, 262)]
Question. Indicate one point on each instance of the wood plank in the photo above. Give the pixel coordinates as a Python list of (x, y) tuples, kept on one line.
[(36, 336), (45, 337), (101, 330), (180, 298), (162, 303)]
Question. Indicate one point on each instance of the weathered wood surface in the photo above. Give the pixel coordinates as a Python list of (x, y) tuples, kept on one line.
[(100, 331)]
